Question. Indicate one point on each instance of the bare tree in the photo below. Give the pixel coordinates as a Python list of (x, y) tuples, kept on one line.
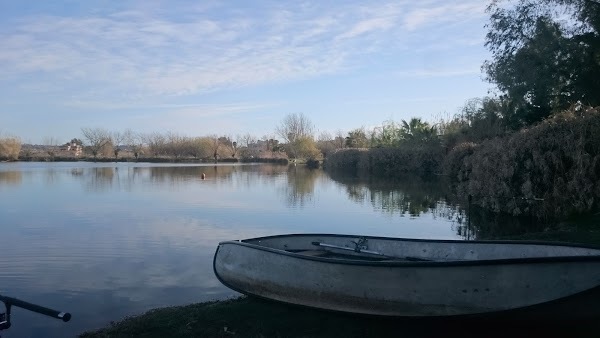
[(156, 143), (134, 141), (175, 144), (295, 130), (117, 139), (325, 143), (97, 138), (246, 140), (340, 139), (295, 126), (215, 146)]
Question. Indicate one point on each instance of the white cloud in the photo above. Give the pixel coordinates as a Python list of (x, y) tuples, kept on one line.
[(452, 12), (140, 54), (369, 25), (433, 73)]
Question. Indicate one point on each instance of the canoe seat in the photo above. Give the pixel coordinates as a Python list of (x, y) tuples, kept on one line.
[(312, 252)]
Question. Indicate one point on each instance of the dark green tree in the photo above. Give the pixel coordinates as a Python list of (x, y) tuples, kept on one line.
[(540, 62)]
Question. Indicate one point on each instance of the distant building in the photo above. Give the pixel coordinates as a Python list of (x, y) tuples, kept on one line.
[(74, 148)]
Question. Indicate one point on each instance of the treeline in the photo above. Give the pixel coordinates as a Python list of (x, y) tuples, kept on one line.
[(532, 149)]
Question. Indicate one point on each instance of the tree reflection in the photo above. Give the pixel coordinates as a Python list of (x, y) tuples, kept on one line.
[(485, 224), (413, 196), (11, 177), (300, 185), (191, 173), (408, 195)]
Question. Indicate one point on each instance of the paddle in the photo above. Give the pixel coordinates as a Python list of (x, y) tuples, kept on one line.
[(370, 252)]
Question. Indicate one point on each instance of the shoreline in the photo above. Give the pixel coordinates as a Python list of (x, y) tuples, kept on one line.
[(253, 317)]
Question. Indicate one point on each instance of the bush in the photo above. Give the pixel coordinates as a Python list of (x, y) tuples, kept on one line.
[(420, 160), (551, 170), (313, 164), (10, 147)]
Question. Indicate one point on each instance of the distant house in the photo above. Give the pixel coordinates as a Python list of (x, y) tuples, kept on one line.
[(74, 148)]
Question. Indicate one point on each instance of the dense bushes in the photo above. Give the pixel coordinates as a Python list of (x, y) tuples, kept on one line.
[(550, 170), (421, 160), (10, 147)]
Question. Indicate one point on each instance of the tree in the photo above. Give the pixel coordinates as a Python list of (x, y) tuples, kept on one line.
[(340, 140), (201, 147), (294, 130), (175, 144), (388, 135), (229, 145), (417, 131), (117, 138), (325, 143), (293, 127), (357, 138), (156, 143), (97, 139), (305, 147), (540, 63), (134, 141), (215, 145), (246, 140)]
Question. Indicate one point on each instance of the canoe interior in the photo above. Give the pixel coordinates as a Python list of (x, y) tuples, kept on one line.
[(383, 249)]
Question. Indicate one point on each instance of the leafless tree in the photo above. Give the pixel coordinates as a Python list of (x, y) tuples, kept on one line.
[(295, 130), (156, 143), (295, 126), (340, 139), (134, 141), (215, 147), (246, 140), (96, 138), (117, 139)]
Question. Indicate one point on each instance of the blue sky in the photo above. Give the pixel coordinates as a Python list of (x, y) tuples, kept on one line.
[(230, 67)]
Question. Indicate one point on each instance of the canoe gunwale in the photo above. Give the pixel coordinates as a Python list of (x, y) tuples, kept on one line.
[(432, 263), (577, 245)]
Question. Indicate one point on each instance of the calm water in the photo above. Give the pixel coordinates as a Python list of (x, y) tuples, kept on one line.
[(104, 241)]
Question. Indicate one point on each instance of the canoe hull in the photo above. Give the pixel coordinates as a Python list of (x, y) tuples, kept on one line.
[(543, 287)]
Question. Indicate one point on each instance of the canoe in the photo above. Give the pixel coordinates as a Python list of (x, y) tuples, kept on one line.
[(415, 277)]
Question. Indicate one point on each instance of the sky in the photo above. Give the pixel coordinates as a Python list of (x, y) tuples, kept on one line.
[(200, 68)]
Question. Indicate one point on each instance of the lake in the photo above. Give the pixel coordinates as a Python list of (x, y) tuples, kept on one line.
[(104, 241)]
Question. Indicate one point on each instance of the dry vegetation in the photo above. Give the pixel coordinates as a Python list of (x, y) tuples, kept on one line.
[(10, 147), (550, 170)]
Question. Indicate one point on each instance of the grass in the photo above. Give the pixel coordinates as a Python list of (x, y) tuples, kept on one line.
[(252, 317)]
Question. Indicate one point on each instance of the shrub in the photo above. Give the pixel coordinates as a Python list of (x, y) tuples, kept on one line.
[(421, 160), (10, 147), (551, 170)]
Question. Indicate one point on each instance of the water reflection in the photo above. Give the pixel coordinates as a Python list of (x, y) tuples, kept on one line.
[(414, 197), (300, 186), (10, 177), (109, 240), (408, 195)]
